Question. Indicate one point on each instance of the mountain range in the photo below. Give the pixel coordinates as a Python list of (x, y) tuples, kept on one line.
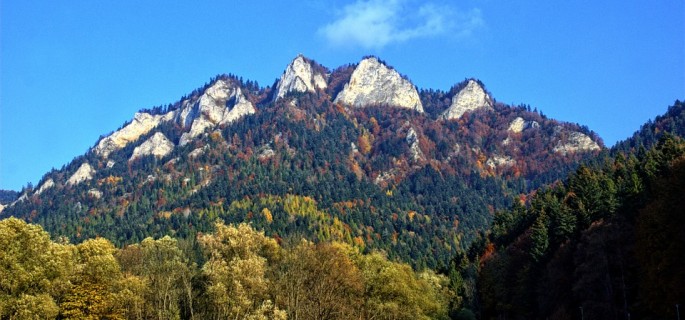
[(357, 154)]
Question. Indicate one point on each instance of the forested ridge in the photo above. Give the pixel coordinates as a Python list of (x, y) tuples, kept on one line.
[(607, 242), (378, 178)]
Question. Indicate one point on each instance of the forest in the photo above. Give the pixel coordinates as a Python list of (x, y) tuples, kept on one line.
[(234, 272), (606, 242)]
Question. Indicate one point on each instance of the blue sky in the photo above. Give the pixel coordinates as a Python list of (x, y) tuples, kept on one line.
[(74, 70)]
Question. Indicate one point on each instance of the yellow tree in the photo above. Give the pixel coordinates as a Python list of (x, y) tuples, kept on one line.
[(96, 278), (33, 271), (165, 268), (320, 282), (236, 269), (394, 291)]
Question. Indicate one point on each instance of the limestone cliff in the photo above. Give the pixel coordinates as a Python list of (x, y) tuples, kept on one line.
[(222, 103), (574, 142), (46, 185), (157, 145), (413, 142), (374, 83), (470, 98), (84, 172), (300, 76), (519, 124), (141, 124)]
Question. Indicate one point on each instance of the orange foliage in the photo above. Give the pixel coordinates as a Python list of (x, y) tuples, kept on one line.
[(488, 253), (358, 241), (363, 144)]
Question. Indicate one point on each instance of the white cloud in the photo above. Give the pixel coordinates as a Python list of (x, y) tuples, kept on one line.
[(377, 23)]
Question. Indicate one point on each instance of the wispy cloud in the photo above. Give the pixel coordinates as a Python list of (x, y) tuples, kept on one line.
[(377, 23)]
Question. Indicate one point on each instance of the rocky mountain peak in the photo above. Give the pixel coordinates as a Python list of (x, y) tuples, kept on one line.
[(472, 97), (373, 83), (221, 103), (300, 76)]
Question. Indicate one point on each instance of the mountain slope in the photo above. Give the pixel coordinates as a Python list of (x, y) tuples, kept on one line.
[(673, 122), (608, 239), (302, 160)]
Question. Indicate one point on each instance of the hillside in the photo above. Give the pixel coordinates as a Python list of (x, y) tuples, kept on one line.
[(607, 240), (673, 122), (356, 154)]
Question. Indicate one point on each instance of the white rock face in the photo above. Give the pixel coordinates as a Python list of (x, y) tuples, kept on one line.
[(46, 185), (499, 161), (470, 98), (84, 172), (386, 176), (2, 207), (413, 141), (266, 153), (198, 151), (576, 142), (157, 145), (374, 83), (212, 110), (519, 124), (299, 76), (142, 123), (95, 193)]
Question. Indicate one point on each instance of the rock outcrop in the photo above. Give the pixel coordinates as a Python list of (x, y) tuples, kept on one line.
[(84, 172), (575, 142), (519, 124), (95, 193), (142, 123), (500, 161), (45, 186), (222, 103), (470, 98), (157, 145), (373, 83), (300, 76), (198, 152), (413, 142)]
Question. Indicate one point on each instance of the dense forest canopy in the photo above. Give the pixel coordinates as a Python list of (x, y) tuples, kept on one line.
[(235, 272), (608, 240)]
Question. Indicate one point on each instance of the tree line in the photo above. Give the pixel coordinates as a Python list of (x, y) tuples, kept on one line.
[(234, 272)]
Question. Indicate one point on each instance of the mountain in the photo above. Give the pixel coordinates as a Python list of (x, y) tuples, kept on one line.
[(374, 83), (472, 97), (356, 154)]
